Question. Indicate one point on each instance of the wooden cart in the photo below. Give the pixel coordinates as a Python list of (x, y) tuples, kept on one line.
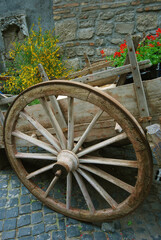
[(71, 114)]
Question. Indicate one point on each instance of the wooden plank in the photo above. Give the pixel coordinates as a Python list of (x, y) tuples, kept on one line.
[(69, 190), (41, 156), (39, 171), (139, 89), (70, 142), (99, 76), (53, 182)]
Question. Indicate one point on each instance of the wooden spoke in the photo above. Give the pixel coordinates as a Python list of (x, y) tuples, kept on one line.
[(109, 161), (42, 156), (34, 141), (39, 171), (54, 103), (90, 126), (102, 144), (54, 122), (108, 177), (69, 190), (84, 192), (98, 187), (70, 123), (53, 182), (41, 129)]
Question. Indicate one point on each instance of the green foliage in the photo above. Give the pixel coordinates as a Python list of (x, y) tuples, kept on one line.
[(148, 49), (37, 48)]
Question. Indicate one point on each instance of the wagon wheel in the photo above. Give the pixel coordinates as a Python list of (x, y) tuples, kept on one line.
[(89, 175)]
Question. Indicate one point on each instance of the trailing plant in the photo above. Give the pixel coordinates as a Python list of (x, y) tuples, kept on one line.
[(148, 49), (38, 48)]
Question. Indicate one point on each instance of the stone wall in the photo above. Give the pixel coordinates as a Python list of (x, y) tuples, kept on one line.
[(91, 25)]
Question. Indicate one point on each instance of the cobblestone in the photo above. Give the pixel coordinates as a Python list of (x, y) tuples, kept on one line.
[(23, 217)]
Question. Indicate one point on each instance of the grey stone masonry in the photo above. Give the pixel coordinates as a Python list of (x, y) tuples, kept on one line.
[(91, 25)]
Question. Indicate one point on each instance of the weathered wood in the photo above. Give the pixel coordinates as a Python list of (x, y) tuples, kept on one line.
[(108, 177), (106, 74), (41, 156), (41, 129), (122, 79), (139, 89), (39, 171), (84, 135), (94, 67), (88, 64), (98, 188), (102, 144), (70, 142), (53, 182), (69, 190), (57, 110), (8, 100), (34, 141), (84, 191), (54, 122), (1, 118), (109, 161)]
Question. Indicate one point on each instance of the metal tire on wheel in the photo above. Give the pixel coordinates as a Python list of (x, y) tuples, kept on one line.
[(87, 173)]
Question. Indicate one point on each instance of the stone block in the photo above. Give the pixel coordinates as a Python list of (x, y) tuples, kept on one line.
[(24, 199), (85, 33), (24, 220), (25, 209), (51, 227), (24, 231), (73, 63), (146, 21), (24, 190), (1, 226), (9, 224), (8, 235), (85, 49), (87, 237), (108, 227), (13, 202), (38, 229), (14, 193), (86, 23), (62, 224), (13, 212), (36, 206), (66, 30), (73, 231), (100, 235), (87, 227), (124, 28), (3, 193), (3, 202), (2, 213), (127, 17), (104, 28), (71, 221), (106, 15), (3, 184), (50, 219), (59, 235), (36, 217), (44, 236), (89, 8), (70, 52)]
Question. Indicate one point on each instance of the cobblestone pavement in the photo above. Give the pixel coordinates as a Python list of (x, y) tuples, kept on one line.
[(23, 217)]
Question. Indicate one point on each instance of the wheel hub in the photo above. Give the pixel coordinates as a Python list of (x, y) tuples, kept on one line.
[(67, 161)]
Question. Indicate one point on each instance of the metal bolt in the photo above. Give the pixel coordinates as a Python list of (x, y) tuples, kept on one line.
[(142, 109)]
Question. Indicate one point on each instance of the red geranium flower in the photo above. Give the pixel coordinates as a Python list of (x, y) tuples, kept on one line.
[(158, 44), (118, 54), (102, 51), (151, 45), (151, 37), (137, 52), (158, 32)]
